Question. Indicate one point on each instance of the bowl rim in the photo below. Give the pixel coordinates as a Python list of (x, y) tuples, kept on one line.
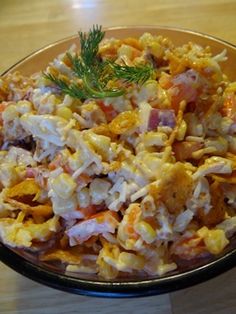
[(146, 287), (122, 27)]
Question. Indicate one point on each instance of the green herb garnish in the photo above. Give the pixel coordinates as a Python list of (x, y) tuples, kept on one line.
[(139, 74), (96, 73)]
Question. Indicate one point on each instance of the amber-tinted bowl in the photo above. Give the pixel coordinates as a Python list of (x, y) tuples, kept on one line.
[(189, 273)]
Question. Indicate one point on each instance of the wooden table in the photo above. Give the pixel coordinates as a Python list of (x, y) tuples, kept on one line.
[(26, 25)]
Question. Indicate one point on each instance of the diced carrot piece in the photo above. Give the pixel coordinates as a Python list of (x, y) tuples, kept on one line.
[(109, 111), (88, 211), (133, 42), (55, 163), (83, 179)]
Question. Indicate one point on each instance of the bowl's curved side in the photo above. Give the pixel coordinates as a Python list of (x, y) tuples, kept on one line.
[(38, 60), (142, 288)]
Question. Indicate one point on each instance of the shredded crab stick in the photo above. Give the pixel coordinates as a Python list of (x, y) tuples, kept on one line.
[(119, 158), (104, 222)]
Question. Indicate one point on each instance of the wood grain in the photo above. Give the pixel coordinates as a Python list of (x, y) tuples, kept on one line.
[(28, 25), (19, 295), (214, 296)]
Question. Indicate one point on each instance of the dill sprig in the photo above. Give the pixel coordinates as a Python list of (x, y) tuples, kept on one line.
[(94, 77), (89, 44), (70, 89), (138, 74), (96, 73)]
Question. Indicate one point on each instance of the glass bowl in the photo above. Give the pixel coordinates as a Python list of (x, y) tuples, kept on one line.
[(189, 273)]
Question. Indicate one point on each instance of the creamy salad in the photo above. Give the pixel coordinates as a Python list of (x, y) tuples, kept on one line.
[(119, 157)]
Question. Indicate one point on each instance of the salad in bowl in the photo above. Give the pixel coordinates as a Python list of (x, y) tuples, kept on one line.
[(118, 158)]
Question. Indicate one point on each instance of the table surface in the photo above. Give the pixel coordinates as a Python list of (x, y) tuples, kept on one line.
[(25, 26)]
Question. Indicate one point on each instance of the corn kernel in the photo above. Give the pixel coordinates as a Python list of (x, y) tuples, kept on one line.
[(43, 81), (124, 122), (130, 261), (3, 154), (10, 113), (107, 261), (8, 174), (151, 86), (215, 241), (219, 143), (129, 244), (63, 185), (146, 39), (231, 88), (202, 232), (68, 101), (181, 131), (125, 50), (148, 91), (99, 190), (24, 106), (156, 49), (61, 206), (154, 139), (75, 161), (100, 144), (165, 268), (145, 231), (75, 105), (64, 112)]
